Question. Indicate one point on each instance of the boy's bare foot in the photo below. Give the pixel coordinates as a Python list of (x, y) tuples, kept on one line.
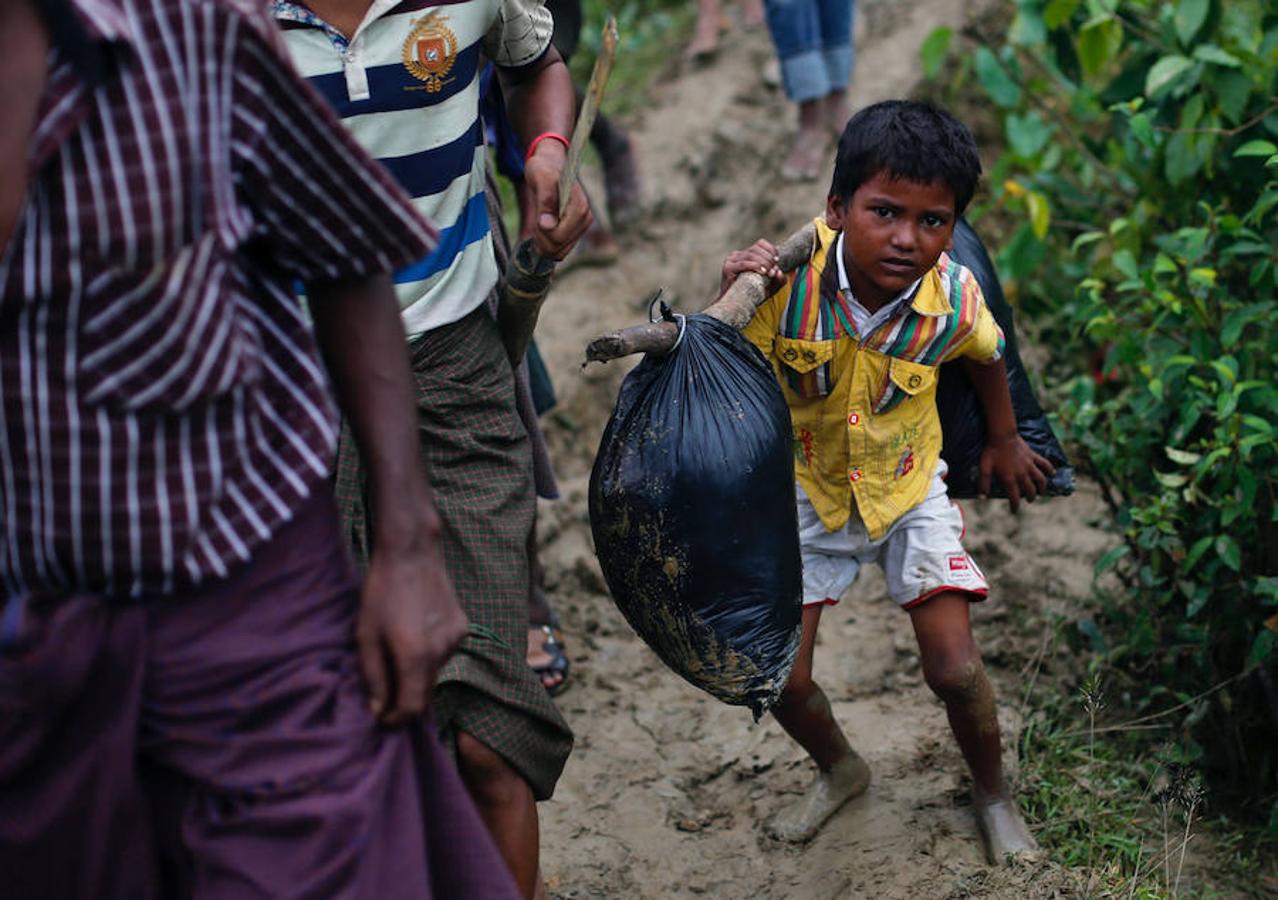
[(751, 13), (1002, 829), (801, 820), (807, 155)]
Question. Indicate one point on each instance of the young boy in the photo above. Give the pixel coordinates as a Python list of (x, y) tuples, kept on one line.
[(856, 336)]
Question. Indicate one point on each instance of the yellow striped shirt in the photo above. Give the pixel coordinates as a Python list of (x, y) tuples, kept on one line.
[(863, 407)]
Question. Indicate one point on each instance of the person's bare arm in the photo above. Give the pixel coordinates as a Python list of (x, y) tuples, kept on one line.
[(1022, 472), (409, 619), (540, 98)]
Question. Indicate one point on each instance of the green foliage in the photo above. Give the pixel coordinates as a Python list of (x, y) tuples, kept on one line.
[(1142, 161), (650, 37)]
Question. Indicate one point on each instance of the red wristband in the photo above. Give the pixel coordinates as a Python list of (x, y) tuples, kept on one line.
[(545, 135)]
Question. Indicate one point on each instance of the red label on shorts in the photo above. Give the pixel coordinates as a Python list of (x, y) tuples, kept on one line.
[(959, 564)]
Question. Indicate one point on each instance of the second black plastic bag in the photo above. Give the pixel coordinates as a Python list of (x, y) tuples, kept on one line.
[(962, 422), (692, 508)]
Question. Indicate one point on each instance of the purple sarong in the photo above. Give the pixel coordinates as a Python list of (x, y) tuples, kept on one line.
[(219, 746)]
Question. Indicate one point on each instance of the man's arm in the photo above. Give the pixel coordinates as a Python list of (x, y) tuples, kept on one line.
[(540, 98), (409, 620), (1021, 471)]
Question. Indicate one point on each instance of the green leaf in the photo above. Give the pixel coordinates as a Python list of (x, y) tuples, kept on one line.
[(1085, 239), (1028, 29), (1262, 647), (994, 78), (1165, 265), (1190, 16), (935, 48), (1196, 552), (1171, 479), (1232, 88), (1143, 130), (1098, 44), (1058, 12), (1040, 213), (1022, 254), (1257, 148), (1181, 161), (1235, 322), (1210, 53), (1227, 366), (1106, 562), (1027, 134), (1125, 263), (1196, 605), (1184, 457), (1227, 550), (1163, 74)]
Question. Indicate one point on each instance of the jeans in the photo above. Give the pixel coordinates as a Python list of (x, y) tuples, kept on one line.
[(814, 43)]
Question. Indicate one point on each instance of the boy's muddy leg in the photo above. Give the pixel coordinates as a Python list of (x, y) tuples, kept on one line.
[(804, 712), (953, 670)]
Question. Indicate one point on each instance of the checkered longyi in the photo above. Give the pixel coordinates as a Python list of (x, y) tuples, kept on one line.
[(477, 456)]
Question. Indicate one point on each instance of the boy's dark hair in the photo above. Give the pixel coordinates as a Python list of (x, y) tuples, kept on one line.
[(911, 140)]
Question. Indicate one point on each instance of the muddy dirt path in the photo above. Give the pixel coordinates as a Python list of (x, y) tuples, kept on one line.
[(666, 790)]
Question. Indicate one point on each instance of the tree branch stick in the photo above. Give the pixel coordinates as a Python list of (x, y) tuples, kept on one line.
[(736, 307)]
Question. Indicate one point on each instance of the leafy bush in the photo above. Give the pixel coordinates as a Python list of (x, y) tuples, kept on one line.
[(1141, 158)]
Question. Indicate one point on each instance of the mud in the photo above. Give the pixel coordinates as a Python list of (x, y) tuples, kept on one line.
[(667, 790)]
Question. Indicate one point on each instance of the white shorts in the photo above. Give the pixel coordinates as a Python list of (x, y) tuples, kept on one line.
[(922, 553)]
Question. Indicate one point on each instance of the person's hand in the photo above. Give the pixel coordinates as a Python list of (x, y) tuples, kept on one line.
[(760, 258), (409, 625), (553, 236), (1021, 471)]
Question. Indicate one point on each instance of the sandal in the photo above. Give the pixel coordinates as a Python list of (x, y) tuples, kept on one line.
[(559, 663)]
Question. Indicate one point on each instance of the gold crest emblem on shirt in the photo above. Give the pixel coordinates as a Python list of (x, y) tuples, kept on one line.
[(430, 52)]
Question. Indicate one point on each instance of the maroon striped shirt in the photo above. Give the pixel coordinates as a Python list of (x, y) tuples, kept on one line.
[(164, 408)]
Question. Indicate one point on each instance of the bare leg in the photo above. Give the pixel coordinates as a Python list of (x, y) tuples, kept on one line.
[(804, 163), (953, 670), (705, 34), (752, 13), (804, 712), (835, 109), (505, 803)]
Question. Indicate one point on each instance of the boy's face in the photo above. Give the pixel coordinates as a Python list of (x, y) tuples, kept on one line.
[(894, 231)]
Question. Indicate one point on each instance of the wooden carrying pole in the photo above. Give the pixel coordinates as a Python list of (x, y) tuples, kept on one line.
[(528, 278), (735, 308)]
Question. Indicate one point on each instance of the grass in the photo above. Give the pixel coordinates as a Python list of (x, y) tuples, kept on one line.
[(1121, 800)]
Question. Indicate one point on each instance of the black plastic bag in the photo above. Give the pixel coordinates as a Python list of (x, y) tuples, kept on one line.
[(962, 422), (692, 507)]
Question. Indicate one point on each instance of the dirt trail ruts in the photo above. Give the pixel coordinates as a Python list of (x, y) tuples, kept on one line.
[(666, 790)]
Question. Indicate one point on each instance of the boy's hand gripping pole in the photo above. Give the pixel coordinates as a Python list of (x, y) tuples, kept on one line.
[(528, 277), (736, 307)]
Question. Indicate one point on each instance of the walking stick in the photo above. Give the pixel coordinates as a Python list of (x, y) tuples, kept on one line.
[(528, 276)]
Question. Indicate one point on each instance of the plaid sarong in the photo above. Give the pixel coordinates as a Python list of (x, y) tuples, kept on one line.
[(478, 459)]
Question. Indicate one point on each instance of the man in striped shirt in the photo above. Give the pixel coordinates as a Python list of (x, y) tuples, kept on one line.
[(404, 77), (181, 635)]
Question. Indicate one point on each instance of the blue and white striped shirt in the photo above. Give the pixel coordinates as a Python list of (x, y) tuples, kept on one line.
[(406, 84)]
